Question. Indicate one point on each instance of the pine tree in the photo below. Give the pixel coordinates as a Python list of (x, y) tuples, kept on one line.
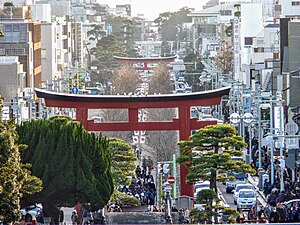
[(123, 161), (208, 154)]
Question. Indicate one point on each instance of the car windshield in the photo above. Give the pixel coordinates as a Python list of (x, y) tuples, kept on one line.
[(243, 187), (246, 194), (238, 176)]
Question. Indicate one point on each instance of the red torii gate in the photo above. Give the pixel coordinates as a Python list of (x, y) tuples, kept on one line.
[(184, 123), (145, 61)]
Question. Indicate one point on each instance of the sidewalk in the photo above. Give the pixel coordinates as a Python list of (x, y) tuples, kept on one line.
[(261, 197)]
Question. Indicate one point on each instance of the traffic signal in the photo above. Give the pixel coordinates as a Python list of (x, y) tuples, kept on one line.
[(160, 168), (166, 168)]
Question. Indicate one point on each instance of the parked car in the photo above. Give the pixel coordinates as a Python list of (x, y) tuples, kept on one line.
[(180, 91), (33, 209), (199, 186), (206, 117), (246, 199), (239, 187)]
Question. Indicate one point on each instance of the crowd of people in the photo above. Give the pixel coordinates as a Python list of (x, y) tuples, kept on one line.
[(142, 187), (278, 209)]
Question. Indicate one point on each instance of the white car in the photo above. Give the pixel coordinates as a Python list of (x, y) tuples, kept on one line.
[(239, 187), (199, 186), (246, 199)]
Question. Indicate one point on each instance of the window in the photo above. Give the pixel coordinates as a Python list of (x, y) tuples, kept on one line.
[(8, 27), (43, 53), (248, 40), (225, 12), (295, 3), (16, 28)]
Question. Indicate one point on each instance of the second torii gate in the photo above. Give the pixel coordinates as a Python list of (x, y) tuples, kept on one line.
[(183, 102)]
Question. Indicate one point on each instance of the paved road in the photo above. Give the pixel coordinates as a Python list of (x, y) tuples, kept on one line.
[(228, 197)]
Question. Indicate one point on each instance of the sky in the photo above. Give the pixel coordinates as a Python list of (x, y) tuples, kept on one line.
[(152, 8)]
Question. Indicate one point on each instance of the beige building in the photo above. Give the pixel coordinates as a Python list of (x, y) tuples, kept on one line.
[(12, 77)]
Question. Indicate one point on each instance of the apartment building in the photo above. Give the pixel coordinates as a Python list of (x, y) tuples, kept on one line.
[(22, 38)]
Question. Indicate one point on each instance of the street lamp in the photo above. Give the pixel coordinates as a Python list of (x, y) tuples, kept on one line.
[(247, 118)]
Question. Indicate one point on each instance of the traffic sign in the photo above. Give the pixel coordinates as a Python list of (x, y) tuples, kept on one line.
[(248, 117), (234, 118), (74, 90), (171, 180), (291, 128)]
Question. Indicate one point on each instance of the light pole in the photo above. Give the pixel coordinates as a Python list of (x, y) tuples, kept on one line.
[(245, 118)]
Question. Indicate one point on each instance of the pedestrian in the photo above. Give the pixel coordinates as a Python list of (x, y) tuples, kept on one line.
[(149, 177), (274, 216), (61, 216), (151, 199), (144, 164), (40, 217), (84, 217), (187, 215), (74, 217), (282, 212), (138, 171), (174, 208), (28, 217), (180, 216), (252, 214)]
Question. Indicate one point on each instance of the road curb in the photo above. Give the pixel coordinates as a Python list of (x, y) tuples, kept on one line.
[(221, 197)]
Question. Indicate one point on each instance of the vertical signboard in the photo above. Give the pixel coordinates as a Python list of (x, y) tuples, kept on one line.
[(279, 125), (236, 47)]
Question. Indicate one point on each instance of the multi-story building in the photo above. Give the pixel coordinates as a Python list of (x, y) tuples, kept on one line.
[(12, 77), (49, 52), (58, 8), (41, 12), (22, 38), (64, 43), (77, 43)]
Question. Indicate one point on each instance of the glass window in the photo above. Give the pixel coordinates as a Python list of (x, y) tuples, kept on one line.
[(16, 28), (23, 28), (8, 27)]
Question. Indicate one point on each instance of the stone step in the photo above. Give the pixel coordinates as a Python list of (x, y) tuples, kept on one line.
[(135, 218)]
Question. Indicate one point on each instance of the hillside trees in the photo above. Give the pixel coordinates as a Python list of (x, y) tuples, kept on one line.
[(125, 80), (160, 81), (116, 41), (170, 23), (224, 58), (208, 154), (73, 164)]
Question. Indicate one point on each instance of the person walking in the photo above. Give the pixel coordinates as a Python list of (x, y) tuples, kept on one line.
[(151, 199), (74, 217), (180, 216), (274, 216)]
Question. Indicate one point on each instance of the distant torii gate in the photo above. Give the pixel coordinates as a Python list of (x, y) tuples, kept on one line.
[(144, 61), (183, 102)]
